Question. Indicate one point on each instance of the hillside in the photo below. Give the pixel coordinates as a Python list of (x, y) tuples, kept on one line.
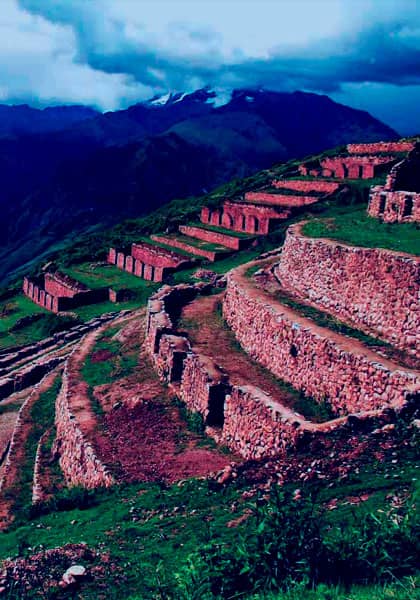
[(73, 170), (215, 418)]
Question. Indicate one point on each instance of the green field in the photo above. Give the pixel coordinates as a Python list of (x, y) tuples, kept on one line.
[(357, 228)]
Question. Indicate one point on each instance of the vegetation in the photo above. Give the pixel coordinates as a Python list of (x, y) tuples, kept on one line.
[(357, 228), (41, 419), (173, 542)]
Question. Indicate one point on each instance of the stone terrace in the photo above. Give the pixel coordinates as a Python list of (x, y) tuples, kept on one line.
[(372, 288), (58, 292), (149, 261), (348, 167)]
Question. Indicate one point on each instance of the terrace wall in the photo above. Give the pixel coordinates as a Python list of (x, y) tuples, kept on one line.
[(286, 200), (245, 217), (78, 460), (370, 287), (244, 418), (324, 365), (208, 254), (354, 167), (213, 237), (300, 185), (378, 147)]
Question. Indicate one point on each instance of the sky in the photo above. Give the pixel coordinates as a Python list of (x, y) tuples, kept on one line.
[(112, 53)]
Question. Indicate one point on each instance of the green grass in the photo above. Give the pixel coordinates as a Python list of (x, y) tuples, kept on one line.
[(151, 530), (119, 364), (11, 311), (42, 418), (230, 232), (355, 227), (196, 243)]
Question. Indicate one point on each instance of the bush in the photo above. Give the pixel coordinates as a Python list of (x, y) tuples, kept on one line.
[(289, 542)]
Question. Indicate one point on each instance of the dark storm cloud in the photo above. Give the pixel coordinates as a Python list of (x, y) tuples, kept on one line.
[(386, 53)]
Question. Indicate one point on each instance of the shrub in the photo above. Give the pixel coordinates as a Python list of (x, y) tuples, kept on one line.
[(288, 542)]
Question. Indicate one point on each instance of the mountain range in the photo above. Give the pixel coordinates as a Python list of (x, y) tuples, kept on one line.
[(70, 169)]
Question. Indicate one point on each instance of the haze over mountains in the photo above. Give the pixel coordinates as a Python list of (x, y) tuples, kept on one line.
[(67, 169)]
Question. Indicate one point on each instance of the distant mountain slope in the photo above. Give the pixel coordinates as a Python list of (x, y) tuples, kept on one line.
[(71, 168), (22, 119)]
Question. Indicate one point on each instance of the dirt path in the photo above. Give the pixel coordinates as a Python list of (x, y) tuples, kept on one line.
[(141, 436), (209, 336)]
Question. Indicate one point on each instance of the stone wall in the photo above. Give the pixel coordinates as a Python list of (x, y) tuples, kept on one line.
[(40, 292), (245, 217), (300, 185), (371, 288), (213, 237), (323, 364), (78, 460), (283, 200), (354, 167), (61, 285), (244, 418), (210, 255), (378, 147), (150, 262), (394, 206)]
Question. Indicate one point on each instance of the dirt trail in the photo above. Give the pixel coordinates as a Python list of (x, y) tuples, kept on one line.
[(210, 337), (140, 436)]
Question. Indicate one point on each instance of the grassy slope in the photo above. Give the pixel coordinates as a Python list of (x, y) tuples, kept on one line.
[(357, 228), (152, 529)]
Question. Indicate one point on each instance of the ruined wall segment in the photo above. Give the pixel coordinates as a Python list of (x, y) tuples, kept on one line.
[(378, 147), (300, 185), (398, 201), (371, 288), (324, 365), (286, 200)]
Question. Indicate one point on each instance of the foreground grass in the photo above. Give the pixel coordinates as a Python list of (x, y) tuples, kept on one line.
[(151, 530), (355, 227)]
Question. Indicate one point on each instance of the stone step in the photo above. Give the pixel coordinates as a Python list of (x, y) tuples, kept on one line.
[(211, 252), (274, 198), (217, 235)]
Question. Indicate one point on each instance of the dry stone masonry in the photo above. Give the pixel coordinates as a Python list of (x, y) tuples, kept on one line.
[(245, 418), (347, 167), (58, 292), (324, 365), (151, 262), (371, 288), (398, 201)]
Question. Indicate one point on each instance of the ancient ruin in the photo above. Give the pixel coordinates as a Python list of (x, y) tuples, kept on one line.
[(149, 261), (398, 201), (59, 292)]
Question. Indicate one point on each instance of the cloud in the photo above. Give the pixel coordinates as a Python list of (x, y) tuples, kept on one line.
[(39, 65), (110, 54)]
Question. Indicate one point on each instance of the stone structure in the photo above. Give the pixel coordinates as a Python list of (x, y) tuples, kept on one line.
[(78, 460), (210, 255), (308, 187), (149, 261), (244, 418), (348, 167), (398, 201), (59, 292), (324, 365), (245, 217), (214, 237), (374, 289), (284, 200), (378, 147)]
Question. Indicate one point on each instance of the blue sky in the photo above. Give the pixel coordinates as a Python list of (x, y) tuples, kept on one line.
[(112, 53)]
